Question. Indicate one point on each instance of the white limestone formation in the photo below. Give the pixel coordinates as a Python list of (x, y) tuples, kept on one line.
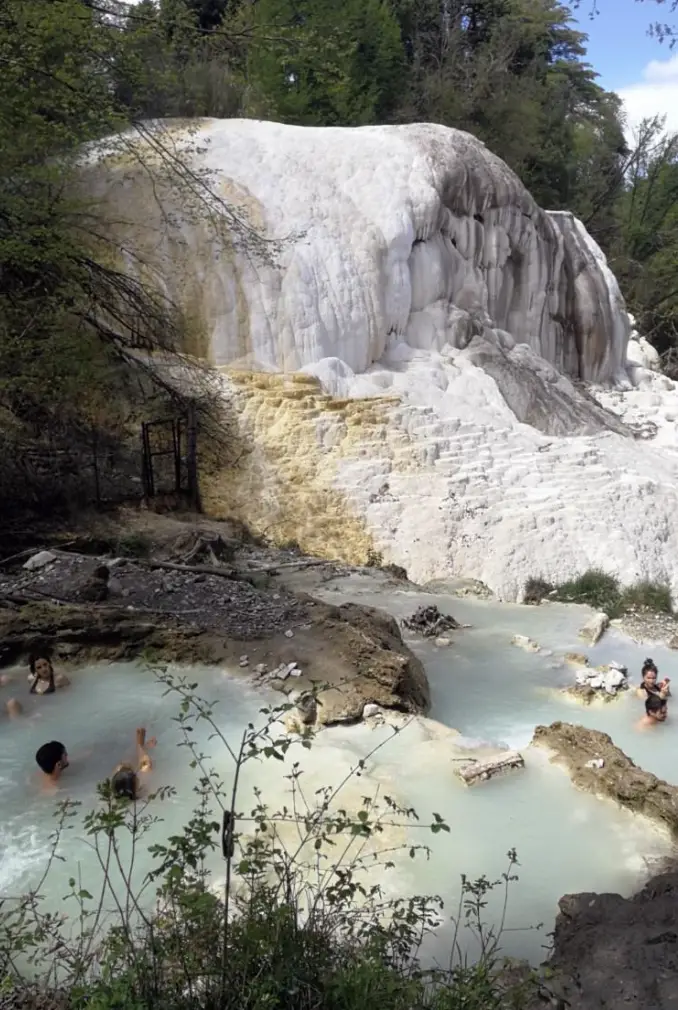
[(424, 328)]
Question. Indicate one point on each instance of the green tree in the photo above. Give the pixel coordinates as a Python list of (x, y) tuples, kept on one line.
[(72, 318), (645, 248), (314, 62)]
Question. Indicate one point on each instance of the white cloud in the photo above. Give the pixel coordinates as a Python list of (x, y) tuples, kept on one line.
[(655, 95)]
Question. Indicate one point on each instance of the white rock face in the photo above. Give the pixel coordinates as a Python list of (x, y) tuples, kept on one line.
[(414, 235), (438, 319)]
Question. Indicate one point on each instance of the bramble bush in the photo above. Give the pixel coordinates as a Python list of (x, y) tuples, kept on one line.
[(299, 922)]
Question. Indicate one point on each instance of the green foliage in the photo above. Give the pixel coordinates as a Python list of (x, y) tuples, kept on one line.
[(603, 592), (536, 590), (649, 596), (134, 545), (318, 63), (300, 922), (595, 588)]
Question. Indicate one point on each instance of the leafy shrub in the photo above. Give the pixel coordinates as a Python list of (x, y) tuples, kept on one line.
[(297, 925), (596, 588), (134, 545), (603, 592), (536, 590), (650, 596)]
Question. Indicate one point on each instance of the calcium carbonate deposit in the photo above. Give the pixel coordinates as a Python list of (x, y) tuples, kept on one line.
[(423, 364)]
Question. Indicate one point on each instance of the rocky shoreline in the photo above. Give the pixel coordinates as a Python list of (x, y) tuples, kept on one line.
[(232, 615)]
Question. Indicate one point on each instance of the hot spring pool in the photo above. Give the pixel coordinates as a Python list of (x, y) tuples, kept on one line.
[(566, 841)]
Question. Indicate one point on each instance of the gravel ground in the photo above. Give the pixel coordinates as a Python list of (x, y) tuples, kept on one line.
[(234, 608)]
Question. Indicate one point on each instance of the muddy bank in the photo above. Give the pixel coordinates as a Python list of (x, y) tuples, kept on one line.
[(596, 765), (353, 655)]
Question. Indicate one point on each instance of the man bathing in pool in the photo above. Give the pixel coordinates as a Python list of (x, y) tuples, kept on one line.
[(52, 760)]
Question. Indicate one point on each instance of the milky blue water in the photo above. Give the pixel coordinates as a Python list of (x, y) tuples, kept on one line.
[(481, 685)]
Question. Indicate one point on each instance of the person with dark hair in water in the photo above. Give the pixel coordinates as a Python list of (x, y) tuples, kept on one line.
[(125, 780), (42, 676), (656, 711), (52, 759), (649, 684)]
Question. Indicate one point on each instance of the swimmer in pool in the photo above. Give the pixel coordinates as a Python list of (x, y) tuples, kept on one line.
[(656, 711), (650, 685), (52, 760), (126, 779), (42, 677)]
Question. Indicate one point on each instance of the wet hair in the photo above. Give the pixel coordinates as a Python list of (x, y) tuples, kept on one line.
[(102, 572), (654, 704), (49, 755), (124, 783), (649, 666)]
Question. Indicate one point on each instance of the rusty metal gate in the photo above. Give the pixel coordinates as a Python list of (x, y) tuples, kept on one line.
[(169, 458)]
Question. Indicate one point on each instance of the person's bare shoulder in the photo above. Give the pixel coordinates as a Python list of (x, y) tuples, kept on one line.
[(61, 680)]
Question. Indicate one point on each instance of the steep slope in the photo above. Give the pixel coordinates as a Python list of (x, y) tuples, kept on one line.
[(405, 352)]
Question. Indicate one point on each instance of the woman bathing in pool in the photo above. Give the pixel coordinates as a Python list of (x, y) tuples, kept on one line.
[(42, 676), (649, 684)]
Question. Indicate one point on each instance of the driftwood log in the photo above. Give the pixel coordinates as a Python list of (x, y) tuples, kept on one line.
[(481, 771)]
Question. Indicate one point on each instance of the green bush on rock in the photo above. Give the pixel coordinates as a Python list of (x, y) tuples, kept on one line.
[(298, 923), (602, 592)]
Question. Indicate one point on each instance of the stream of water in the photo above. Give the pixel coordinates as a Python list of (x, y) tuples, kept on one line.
[(481, 685)]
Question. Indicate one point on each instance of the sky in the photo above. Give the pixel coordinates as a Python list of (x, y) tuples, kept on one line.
[(643, 71)]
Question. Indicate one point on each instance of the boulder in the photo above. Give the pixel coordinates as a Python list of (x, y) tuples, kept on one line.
[(580, 750), (617, 953), (304, 715), (595, 628), (39, 560)]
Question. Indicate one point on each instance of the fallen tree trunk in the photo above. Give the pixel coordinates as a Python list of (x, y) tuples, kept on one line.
[(481, 771)]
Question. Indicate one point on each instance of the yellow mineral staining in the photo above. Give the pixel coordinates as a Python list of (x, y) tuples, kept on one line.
[(294, 438)]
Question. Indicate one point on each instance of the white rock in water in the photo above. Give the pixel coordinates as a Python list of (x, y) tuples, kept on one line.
[(523, 642), (39, 560), (614, 680), (595, 628), (414, 268), (442, 642), (370, 710)]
